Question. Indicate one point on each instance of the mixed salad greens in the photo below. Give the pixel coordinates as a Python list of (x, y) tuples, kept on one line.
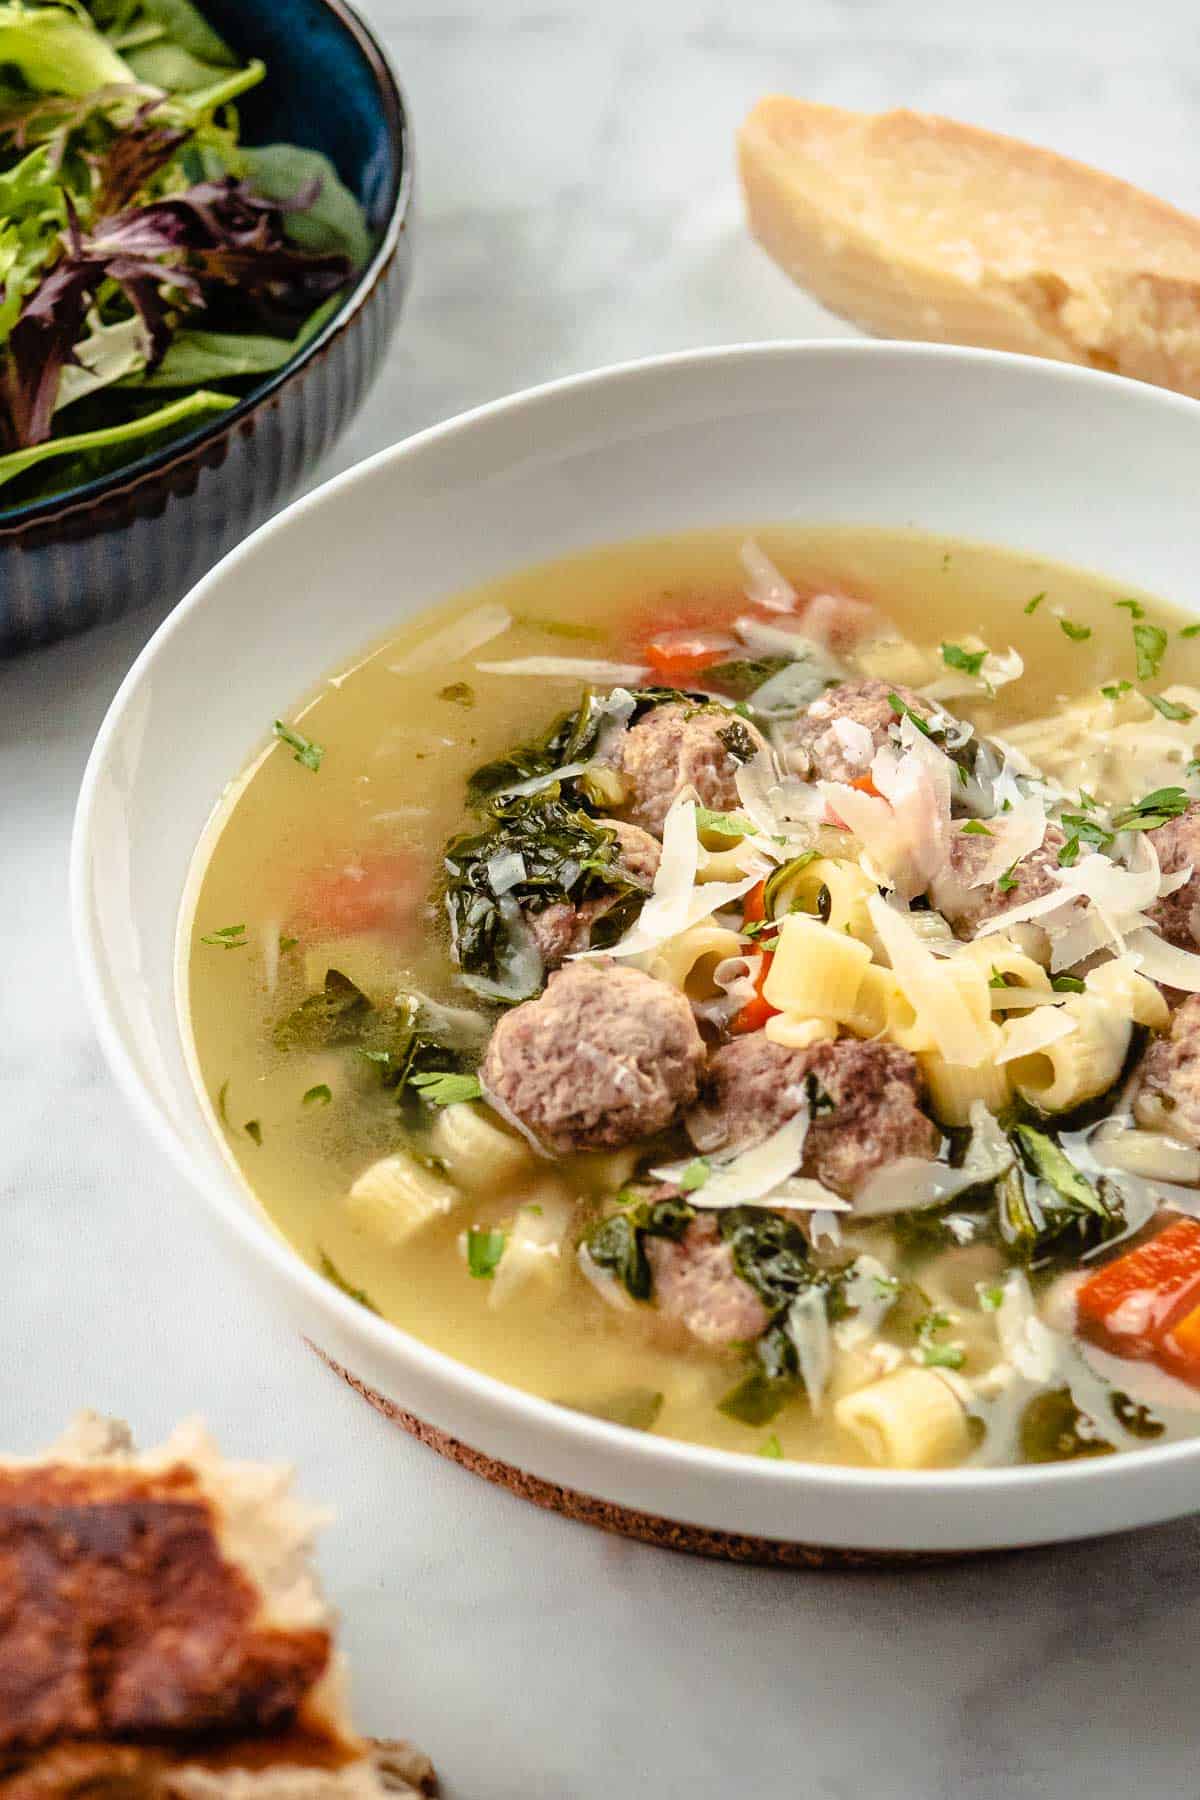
[(152, 267)]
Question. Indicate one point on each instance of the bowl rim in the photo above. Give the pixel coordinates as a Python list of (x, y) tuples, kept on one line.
[(58, 508), (377, 1335)]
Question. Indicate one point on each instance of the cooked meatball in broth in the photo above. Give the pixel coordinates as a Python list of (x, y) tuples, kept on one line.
[(762, 1012)]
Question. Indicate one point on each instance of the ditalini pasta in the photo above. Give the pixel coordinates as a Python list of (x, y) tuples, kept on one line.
[(910, 1420), (743, 999)]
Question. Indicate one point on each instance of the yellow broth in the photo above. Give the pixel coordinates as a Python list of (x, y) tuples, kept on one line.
[(398, 747)]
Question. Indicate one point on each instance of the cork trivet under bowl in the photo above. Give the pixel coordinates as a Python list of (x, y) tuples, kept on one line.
[(625, 1521)]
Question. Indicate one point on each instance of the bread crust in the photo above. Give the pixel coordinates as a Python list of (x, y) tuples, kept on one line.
[(120, 1616), (914, 226)]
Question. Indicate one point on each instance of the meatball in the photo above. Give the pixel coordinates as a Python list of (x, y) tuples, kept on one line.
[(678, 746), (561, 929), (605, 1056), (967, 908), (696, 1284), (751, 1087), (818, 752), (1168, 1093), (1178, 846)]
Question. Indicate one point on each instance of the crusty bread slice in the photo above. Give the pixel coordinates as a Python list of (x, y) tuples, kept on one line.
[(162, 1633), (917, 227)]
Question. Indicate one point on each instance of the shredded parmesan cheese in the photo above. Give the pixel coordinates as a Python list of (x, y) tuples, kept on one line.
[(462, 637), (575, 668)]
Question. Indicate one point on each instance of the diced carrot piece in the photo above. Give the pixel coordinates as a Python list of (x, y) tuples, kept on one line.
[(1181, 1348), (367, 893), (757, 1011), (675, 664), (1133, 1303), (865, 785)]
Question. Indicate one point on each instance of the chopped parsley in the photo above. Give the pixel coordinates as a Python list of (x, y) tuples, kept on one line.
[(1174, 710), (320, 1095), (997, 978), (1150, 643), (903, 711), (1134, 608), (484, 1250), (1031, 606), (304, 749), (1082, 829), (991, 1298), (1067, 984), (228, 937), (771, 1448), (695, 1175), (1008, 881), (1152, 810), (933, 1354), (444, 1088), (969, 661), (331, 1273), (1078, 634), (1115, 689), (975, 828), (253, 1130), (1190, 631), (287, 943)]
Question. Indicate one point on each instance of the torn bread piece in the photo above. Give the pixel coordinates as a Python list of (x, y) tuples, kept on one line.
[(913, 226), (162, 1634)]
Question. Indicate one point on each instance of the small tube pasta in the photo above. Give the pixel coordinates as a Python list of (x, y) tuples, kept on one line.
[(881, 1009), (910, 1420), (816, 972), (1079, 1066), (1118, 984), (834, 890), (728, 863), (687, 960), (532, 1264), (954, 1088), (795, 1032), (479, 1153), (397, 1197), (999, 956)]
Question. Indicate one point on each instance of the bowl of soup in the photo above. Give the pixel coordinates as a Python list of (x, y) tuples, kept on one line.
[(670, 941)]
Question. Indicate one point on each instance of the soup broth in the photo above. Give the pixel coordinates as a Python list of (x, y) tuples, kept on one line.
[(922, 1285)]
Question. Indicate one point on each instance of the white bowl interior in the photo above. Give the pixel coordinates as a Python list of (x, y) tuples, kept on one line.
[(1059, 462)]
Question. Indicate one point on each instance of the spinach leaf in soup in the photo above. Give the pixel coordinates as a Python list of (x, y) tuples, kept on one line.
[(407, 1052), (540, 849)]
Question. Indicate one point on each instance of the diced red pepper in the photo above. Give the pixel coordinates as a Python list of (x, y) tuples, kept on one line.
[(1146, 1304), (367, 893), (757, 1011), (754, 904)]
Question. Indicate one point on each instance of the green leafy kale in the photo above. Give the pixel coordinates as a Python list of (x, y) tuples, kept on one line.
[(331, 1273), (563, 854), (1054, 1430), (771, 1254), (745, 674), (410, 1057), (1046, 1206), (617, 1243)]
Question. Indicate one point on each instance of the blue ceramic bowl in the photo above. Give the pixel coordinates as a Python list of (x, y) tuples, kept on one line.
[(148, 532)]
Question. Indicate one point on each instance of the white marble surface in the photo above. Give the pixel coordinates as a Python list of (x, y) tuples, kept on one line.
[(577, 206)]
